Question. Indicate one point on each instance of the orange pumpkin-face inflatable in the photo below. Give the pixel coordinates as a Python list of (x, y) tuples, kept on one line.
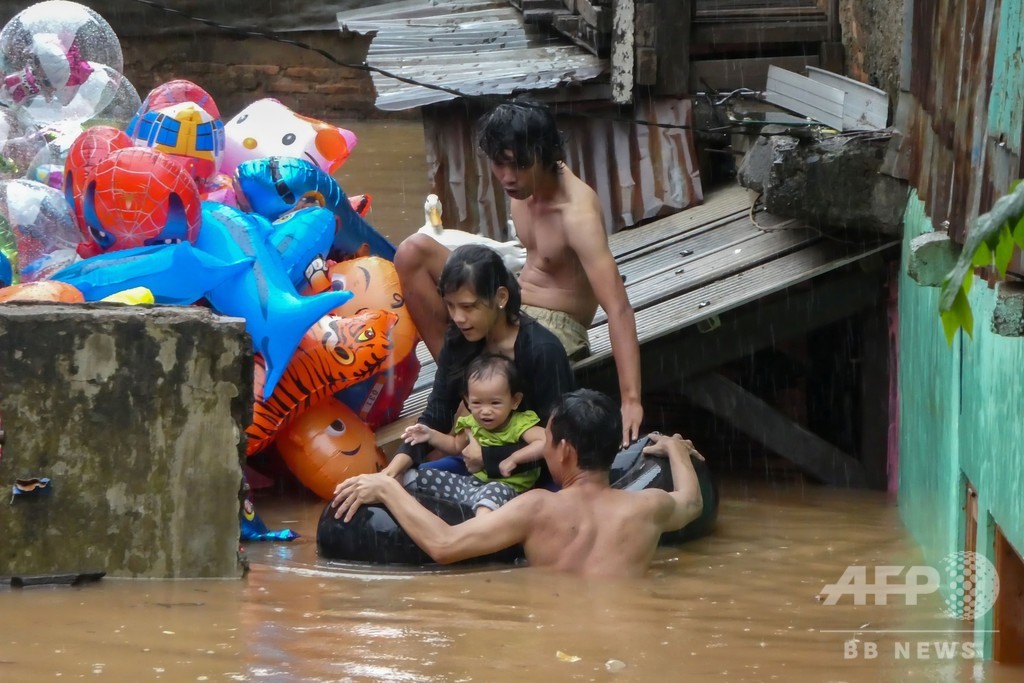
[(326, 445), (335, 353), (374, 284), (44, 290)]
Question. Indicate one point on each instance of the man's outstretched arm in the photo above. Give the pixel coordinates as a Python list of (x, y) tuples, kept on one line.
[(505, 527), (588, 239), (686, 500)]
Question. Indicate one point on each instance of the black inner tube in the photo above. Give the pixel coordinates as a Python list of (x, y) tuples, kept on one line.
[(373, 536)]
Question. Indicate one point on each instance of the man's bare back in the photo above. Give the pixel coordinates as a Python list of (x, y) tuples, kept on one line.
[(553, 276), (594, 531)]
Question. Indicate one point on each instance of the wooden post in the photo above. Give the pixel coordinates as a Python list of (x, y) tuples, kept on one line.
[(622, 51), (1008, 618), (675, 21)]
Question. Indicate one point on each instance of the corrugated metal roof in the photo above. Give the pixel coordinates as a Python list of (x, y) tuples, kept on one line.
[(477, 47)]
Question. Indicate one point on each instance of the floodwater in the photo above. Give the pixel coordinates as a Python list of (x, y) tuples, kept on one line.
[(738, 606), (741, 605), (388, 164)]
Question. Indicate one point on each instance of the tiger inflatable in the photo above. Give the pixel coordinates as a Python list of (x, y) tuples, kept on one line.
[(334, 354)]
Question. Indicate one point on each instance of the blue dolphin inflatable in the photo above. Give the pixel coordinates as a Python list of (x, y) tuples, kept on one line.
[(273, 185), (176, 274), (276, 316)]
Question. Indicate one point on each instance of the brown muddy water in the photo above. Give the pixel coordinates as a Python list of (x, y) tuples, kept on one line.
[(741, 605), (388, 164)]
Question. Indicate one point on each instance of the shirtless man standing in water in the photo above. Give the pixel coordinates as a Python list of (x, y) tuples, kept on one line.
[(586, 528), (569, 268)]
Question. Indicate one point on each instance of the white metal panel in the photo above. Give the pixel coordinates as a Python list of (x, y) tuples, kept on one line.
[(864, 107), (804, 96)]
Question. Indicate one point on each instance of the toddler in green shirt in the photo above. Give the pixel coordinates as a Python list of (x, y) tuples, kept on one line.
[(492, 397)]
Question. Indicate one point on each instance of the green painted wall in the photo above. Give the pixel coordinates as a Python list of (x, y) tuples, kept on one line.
[(961, 409), (929, 380)]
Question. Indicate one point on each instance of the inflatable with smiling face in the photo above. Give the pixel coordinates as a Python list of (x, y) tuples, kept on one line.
[(326, 445), (268, 128)]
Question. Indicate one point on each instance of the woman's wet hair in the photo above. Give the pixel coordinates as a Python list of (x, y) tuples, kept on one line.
[(590, 422), (481, 269), (526, 128), (487, 365)]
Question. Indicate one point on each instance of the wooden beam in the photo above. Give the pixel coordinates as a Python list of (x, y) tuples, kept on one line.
[(760, 421), (668, 361), (622, 52), (598, 17), (646, 66), (673, 46), (729, 74), (874, 410)]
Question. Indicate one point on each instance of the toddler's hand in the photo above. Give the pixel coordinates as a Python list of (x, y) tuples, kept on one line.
[(506, 467), (416, 434), (473, 456)]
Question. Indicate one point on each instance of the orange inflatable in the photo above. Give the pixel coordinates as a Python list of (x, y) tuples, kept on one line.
[(326, 445), (379, 400), (44, 290), (374, 284), (333, 354)]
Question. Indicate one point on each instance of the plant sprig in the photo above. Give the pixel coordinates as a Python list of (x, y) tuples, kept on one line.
[(991, 240)]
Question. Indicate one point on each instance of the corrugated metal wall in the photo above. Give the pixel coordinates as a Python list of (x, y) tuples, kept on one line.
[(639, 171), (958, 155), (959, 416)]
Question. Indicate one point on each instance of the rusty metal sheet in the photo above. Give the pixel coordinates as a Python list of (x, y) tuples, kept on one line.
[(639, 171), (961, 120)]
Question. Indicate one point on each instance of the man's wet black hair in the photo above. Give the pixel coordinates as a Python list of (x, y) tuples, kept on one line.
[(526, 128), (490, 364), (482, 269), (590, 422)]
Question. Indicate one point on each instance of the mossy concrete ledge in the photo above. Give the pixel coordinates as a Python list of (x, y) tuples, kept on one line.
[(137, 416), (932, 256), (1008, 316)]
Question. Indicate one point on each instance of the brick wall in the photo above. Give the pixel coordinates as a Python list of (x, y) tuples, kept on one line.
[(239, 71)]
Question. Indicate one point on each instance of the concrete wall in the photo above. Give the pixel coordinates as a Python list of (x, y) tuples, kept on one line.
[(137, 417), (872, 40)]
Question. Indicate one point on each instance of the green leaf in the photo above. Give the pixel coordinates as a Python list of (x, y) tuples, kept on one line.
[(950, 324), (1004, 250), (982, 256), (1018, 233), (958, 316)]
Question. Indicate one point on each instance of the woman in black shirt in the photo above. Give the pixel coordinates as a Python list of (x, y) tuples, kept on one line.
[(483, 302)]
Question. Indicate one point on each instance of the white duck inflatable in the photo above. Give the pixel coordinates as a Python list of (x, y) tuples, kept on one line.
[(513, 253)]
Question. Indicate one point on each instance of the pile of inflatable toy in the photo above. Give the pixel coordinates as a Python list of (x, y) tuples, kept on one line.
[(108, 197)]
